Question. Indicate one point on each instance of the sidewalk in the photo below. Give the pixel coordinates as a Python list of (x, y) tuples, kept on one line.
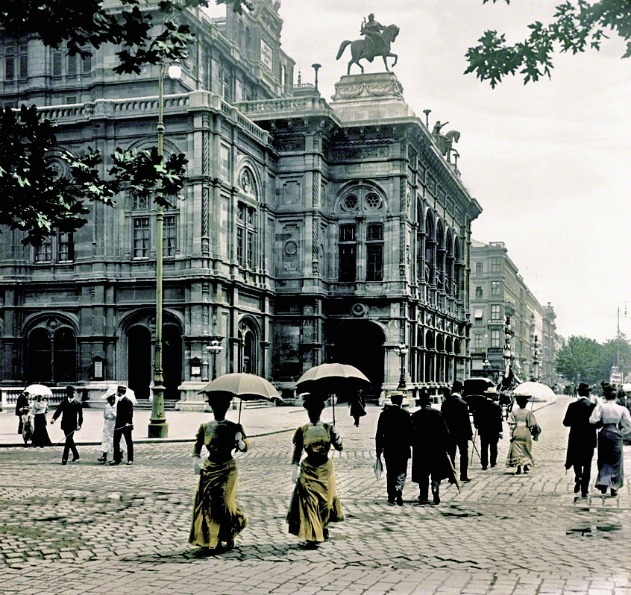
[(182, 425)]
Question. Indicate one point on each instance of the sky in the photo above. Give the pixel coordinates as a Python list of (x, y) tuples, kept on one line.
[(549, 162)]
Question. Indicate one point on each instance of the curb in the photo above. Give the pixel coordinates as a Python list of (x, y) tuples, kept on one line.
[(147, 440)]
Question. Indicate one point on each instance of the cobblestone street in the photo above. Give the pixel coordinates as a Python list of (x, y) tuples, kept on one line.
[(86, 528)]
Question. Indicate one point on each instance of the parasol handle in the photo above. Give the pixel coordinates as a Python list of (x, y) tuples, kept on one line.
[(333, 403), (240, 403)]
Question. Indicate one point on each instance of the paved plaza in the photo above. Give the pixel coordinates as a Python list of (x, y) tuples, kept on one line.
[(87, 528)]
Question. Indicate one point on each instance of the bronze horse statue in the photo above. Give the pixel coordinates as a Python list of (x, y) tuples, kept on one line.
[(445, 142), (369, 48)]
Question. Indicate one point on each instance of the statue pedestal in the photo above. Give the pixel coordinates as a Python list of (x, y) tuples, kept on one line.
[(378, 96)]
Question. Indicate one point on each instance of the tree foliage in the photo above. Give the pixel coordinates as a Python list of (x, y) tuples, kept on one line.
[(592, 360), (577, 26), (580, 355), (40, 196), (36, 198)]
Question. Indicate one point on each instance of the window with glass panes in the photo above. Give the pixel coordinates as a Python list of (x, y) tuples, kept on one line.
[(58, 247), (495, 312), (141, 237), (347, 247), (374, 252), (478, 341), (169, 235), (496, 288), (495, 338), (496, 264), (15, 61), (246, 230)]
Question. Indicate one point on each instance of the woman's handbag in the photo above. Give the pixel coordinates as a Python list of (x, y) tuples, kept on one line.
[(535, 431)]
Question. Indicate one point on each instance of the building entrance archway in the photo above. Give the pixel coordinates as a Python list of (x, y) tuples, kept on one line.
[(360, 344)]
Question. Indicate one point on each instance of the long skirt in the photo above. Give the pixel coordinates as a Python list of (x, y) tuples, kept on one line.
[(314, 502), (107, 440), (520, 450), (216, 517), (40, 433), (610, 466)]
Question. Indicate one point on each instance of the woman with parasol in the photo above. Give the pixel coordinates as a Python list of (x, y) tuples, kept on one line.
[(39, 408), (216, 518), (314, 502)]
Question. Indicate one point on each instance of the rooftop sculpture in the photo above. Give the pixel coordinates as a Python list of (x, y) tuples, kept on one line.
[(376, 43)]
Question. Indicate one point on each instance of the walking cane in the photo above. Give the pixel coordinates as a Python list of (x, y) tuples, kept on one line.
[(474, 448), (64, 438)]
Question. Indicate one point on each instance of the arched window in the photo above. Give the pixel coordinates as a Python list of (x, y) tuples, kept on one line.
[(430, 249), (247, 252), (51, 354), (361, 211)]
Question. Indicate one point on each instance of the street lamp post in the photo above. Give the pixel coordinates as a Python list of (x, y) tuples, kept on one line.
[(215, 348), (535, 360), (158, 427), (402, 350)]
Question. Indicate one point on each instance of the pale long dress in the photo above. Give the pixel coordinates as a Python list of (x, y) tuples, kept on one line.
[(520, 450), (616, 422), (109, 422)]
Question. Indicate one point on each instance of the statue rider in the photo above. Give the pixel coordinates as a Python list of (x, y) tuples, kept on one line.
[(372, 30), (438, 127)]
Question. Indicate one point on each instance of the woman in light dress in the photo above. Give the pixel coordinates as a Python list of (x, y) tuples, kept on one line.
[(523, 426), (615, 421), (109, 421)]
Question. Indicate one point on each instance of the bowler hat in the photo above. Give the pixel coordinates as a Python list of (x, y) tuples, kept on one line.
[(70, 390), (584, 386), (121, 387), (457, 386)]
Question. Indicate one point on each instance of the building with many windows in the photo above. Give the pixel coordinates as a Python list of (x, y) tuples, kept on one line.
[(499, 295), (310, 231)]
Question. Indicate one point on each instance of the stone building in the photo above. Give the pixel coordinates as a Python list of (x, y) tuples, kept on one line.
[(498, 291), (310, 231)]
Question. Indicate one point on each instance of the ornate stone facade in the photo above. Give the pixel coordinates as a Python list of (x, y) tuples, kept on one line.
[(310, 232)]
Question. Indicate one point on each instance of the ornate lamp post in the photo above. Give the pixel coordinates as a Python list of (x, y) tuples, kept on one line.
[(215, 348), (535, 359), (158, 427), (402, 351)]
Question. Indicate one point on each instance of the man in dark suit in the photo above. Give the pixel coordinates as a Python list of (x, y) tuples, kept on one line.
[(21, 407), (488, 421), (393, 440), (71, 421), (430, 444), (582, 439), (124, 426), (456, 415)]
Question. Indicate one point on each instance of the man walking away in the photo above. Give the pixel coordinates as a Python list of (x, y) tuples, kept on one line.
[(124, 426), (71, 413), (488, 419), (456, 415), (582, 439), (393, 440), (430, 440)]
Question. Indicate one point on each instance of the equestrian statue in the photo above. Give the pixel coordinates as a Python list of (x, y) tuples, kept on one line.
[(444, 141), (376, 43)]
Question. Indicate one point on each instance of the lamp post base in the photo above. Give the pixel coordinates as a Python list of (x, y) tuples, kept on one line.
[(158, 429)]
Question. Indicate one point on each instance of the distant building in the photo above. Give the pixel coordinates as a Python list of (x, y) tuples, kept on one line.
[(310, 231), (498, 291)]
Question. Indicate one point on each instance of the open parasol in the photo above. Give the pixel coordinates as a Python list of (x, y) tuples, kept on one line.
[(130, 394), (244, 386), (35, 390), (330, 378), (535, 390)]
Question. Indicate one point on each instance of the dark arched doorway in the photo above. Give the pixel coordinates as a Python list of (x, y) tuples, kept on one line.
[(139, 360), (51, 355), (360, 343)]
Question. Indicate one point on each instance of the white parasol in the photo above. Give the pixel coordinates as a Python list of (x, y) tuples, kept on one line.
[(128, 393)]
